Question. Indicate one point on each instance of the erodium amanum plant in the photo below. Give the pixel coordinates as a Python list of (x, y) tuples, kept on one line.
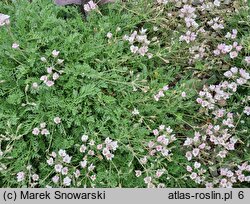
[(148, 93)]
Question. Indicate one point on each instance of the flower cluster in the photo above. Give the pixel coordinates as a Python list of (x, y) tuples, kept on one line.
[(217, 94), (233, 50), (228, 176), (106, 148), (41, 130), (196, 172), (61, 165), (161, 93), (198, 53), (139, 42), (67, 174), (216, 139), (231, 35), (163, 139), (157, 149), (52, 73), (188, 37), (216, 23), (91, 149), (90, 6), (28, 175)]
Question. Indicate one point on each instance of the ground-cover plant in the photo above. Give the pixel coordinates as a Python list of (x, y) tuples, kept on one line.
[(139, 94)]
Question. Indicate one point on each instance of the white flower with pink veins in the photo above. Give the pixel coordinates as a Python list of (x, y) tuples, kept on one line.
[(4, 19)]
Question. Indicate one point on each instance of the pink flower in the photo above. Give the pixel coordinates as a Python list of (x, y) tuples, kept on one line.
[(91, 142), (91, 167), (83, 163), (188, 156), (87, 7), (233, 54), (189, 169), (241, 81), (92, 5), (109, 156), (15, 45), (65, 171), (109, 35), (228, 74), (244, 74), (161, 94), (4, 19), (93, 177), (223, 171), (138, 173), (143, 50), (193, 176), (35, 177), (58, 168), (91, 153), (216, 52), (99, 146), (209, 185), (155, 132), (57, 120), (196, 152), (152, 152), (159, 173), (134, 49), (247, 60), (84, 138), (147, 179), (197, 165), (77, 173), (165, 88), (67, 181), (183, 94), (150, 55), (67, 159), (53, 154), (247, 110), (55, 76), (55, 179), (239, 48), (50, 161), (158, 148), (49, 83), (36, 131), (83, 148), (45, 132), (49, 70), (202, 146), (42, 125), (20, 176), (44, 78), (199, 100), (55, 53)]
